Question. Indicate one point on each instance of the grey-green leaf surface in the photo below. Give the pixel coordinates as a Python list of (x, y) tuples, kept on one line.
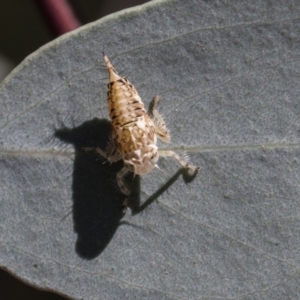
[(228, 74)]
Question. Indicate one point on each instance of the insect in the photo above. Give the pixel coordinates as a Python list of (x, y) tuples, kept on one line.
[(134, 132)]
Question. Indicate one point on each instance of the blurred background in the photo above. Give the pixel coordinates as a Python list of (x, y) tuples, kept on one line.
[(24, 27), (27, 25)]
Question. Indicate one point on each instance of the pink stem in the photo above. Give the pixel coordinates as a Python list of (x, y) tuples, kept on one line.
[(59, 15)]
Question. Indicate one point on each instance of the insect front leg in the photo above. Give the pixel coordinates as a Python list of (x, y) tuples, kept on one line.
[(111, 154), (181, 160), (121, 181), (160, 125)]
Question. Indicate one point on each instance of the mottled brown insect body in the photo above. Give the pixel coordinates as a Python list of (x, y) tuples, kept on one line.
[(134, 132)]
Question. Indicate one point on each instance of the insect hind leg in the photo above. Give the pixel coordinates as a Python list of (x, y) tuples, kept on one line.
[(111, 154), (160, 125), (180, 159)]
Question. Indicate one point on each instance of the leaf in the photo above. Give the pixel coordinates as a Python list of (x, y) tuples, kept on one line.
[(228, 76)]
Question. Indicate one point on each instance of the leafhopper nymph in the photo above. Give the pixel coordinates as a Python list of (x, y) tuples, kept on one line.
[(134, 132)]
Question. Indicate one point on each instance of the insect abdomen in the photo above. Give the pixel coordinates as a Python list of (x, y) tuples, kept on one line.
[(124, 103)]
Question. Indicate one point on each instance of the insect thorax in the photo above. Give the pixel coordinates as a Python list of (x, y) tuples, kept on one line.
[(136, 142)]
